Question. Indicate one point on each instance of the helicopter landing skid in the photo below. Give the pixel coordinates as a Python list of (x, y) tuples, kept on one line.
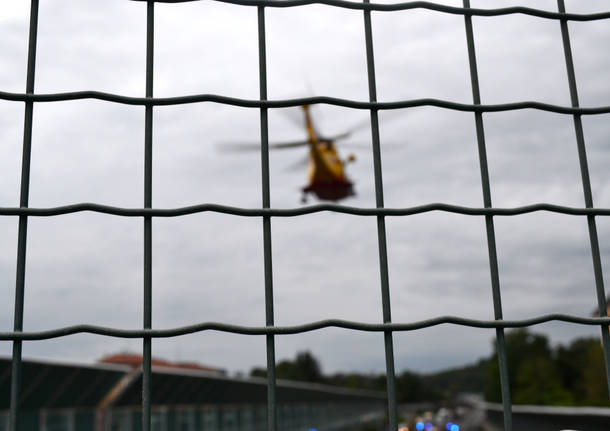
[(329, 191)]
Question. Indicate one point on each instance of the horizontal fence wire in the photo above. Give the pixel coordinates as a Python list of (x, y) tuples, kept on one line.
[(412, 5), (267, 212), (300, 211), (290, 103), (298, 329)]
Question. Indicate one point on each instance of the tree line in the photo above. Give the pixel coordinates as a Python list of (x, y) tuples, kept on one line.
[(540, 374), (573, 374)]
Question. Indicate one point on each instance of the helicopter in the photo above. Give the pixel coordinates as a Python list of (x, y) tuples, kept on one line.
[(327, 179)]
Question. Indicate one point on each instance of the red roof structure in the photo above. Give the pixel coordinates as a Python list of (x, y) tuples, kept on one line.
[(135, 360)]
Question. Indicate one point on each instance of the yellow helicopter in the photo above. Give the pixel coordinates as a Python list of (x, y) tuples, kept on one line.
[(326, 173), (327, 179)]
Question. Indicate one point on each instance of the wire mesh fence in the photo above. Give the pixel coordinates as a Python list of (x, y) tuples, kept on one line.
[(266, 212)]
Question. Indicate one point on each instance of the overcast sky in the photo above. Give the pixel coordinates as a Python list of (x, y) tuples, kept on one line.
[(87, 267)]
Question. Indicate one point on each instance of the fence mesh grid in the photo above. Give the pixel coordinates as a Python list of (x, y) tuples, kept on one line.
[(266, 212)]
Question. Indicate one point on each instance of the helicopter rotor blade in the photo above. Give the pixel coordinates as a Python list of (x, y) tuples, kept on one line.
[(237, 147), (360, 125), (349, 132), (296, 116), (255, 146), (298, 164), (293, 114), (283, 145), (368, 146), (335, 138), (390, 116)]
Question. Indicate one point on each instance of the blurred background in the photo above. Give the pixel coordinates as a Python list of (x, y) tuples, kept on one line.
[(87, 267)]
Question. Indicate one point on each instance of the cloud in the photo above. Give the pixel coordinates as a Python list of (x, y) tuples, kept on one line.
[(87, 268)]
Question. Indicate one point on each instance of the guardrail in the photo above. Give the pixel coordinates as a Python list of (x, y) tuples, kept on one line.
[(548, 418)]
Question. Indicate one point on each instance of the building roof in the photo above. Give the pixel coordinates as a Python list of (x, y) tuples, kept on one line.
[(135, 360), (56, 385), (62, 385)]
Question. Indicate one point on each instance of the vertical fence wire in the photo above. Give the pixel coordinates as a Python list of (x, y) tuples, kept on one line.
[(148, 131), (267, 239), (266, 197), (586, 185), (23, 220), (489, 224), (381, 231)]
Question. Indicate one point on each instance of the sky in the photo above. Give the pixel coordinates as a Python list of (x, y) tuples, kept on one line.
[(87, 267)]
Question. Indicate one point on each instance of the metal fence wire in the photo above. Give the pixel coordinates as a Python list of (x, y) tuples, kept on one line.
[(266, 212)]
